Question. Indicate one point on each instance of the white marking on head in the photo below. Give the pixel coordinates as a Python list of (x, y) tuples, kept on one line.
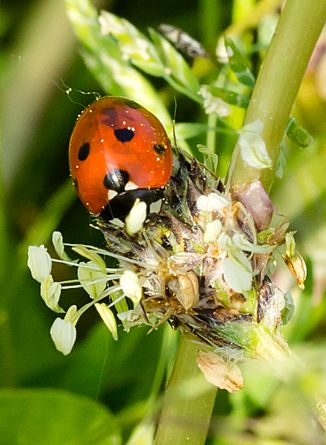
[(111, 194), (131, 186)]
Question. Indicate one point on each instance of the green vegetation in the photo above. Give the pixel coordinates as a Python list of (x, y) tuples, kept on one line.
[(108, 392)]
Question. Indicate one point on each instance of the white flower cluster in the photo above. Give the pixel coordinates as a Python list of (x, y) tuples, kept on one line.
[(93, 276), (203, 263)]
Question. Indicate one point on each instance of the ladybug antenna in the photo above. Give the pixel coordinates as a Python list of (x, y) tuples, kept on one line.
[(173, 122), (64, 88)]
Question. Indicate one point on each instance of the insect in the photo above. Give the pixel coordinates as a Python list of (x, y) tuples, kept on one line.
[(183, 42), (118, 152)]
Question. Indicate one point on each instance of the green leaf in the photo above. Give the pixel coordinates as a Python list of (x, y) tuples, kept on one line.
[(229, 96), (210, 159), (239, 64), (177, 71), (133, 44), (281, 163), (297, 134), (51, 215), (288, 310), (187, 130), (49, 417)]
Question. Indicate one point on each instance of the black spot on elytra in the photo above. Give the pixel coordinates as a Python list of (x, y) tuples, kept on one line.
[(160, 149), (124, 134), (83, 151), (116, 180)]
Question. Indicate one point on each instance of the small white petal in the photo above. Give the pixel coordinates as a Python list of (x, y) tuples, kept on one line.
[(212, 202), (50, 292), (63, 334), (239, 240), (213, 104), (131, 318), (131, 287), (136, 217), (218, 372), (39, 262), (222, 53), (108, 318), (252, 146), (212, 231), (225, 242), (237, 271), (92, 278)]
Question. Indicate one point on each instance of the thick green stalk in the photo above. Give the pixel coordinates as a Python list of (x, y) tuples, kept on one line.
[(278, 82), (188, 401)]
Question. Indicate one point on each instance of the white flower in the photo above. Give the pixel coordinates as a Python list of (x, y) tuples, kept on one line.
[(39, 262), (213, 104), (131, 287), (252, 146), (212, 202), (222, 53), (63, 334), (212, 230), (237, 271), (50, 292)]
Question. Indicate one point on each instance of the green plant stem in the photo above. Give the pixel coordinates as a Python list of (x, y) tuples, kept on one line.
[(211, 132), (278, 83), (188, 401)]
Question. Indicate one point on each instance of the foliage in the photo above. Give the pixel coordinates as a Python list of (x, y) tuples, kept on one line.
[(106, 389)]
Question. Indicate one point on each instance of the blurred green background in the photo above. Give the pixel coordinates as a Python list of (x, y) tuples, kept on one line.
[(39, 60)]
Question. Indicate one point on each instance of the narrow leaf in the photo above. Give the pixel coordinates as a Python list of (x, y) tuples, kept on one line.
[(239, 64), (297, 134)]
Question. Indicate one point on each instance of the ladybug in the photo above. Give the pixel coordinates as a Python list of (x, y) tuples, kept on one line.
[(118, 152)]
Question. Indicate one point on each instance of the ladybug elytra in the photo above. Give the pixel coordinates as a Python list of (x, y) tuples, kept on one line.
[(118, 152)]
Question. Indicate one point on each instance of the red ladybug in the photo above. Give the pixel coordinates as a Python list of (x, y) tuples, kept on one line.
[(118, 152)]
